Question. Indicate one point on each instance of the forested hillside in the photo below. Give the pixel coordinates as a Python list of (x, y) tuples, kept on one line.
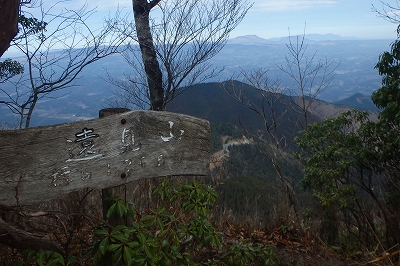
[(323, 177), (211, 101), (247, 182)]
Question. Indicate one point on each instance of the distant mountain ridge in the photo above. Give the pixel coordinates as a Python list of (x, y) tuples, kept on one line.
[(355, 74), (211, 102), (205, 100), (248, 39), (358, 101), (255, 40)]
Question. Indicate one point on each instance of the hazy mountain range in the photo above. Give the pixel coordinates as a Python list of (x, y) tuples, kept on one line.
[(355, 76), (255, 40)]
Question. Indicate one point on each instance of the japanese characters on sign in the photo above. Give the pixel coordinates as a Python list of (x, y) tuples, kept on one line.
[(85, 147), (130, 144)]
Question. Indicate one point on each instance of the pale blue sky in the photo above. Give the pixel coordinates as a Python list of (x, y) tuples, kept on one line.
[(268, 18), (272, 18), (341, 17)]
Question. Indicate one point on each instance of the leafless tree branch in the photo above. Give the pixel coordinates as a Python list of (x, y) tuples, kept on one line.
[(188, 34), (54, 59), (310, 77)]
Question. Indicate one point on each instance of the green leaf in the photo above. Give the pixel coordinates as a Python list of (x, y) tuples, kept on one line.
[(131, 213), (139, 261), (111, 211), (96, 259), (146, 218), (56, 260), (160, 224), (117, 255), (149, 252), (103, 245), (70, 259), (142, 238), (121, 209), (113, 247), (121, 237), (133, 244), (101, 232), (40, 257), (127, 256)]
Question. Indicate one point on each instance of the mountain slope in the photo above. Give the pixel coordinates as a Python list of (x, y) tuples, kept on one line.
[(210, 101), (358, 101)]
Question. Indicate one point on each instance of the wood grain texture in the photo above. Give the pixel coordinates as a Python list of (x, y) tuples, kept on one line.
[(43, 163)]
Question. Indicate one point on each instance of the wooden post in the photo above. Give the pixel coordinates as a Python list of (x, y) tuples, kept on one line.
[(113, 192), (43, 163)]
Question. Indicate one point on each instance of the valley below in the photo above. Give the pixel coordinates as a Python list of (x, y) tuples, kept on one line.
[(354, 73)]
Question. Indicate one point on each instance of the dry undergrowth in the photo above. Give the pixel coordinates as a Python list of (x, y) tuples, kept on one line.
[(70, 222)]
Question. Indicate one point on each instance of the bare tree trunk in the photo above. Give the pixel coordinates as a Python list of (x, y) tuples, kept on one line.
[(9, 10), (30, 111), (141, 11)]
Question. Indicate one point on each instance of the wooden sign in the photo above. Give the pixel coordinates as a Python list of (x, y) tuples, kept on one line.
[(43, 163)]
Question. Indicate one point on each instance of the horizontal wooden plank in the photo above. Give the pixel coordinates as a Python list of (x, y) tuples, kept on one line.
[(43, 163)]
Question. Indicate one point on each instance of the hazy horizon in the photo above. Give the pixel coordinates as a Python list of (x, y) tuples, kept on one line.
[(268, 19), (273, 18)]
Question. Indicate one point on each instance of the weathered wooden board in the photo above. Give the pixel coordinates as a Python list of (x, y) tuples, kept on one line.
[(45, 162)]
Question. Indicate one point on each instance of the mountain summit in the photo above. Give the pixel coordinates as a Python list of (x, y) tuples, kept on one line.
[(255, 40), (248, 40)]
